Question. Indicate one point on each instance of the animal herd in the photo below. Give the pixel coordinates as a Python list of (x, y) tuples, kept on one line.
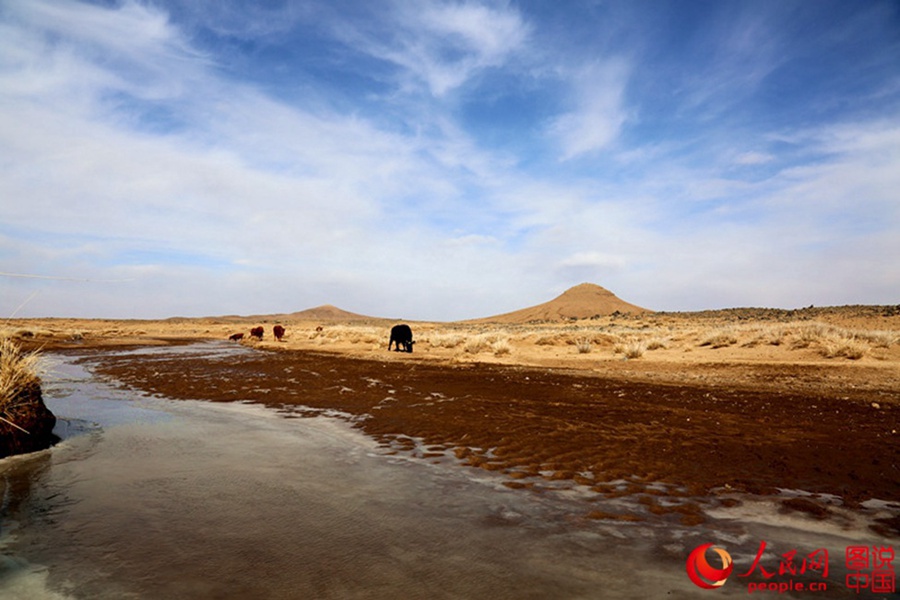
[(401, 336), (258, 332)]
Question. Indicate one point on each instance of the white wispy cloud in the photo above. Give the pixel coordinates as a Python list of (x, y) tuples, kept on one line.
[(599, 112), (442, 44), (753, 158), (131, 48)]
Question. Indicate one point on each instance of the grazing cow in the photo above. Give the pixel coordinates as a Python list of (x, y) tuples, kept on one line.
[(401, 334), (257, 332), (236, 337), (278, 330)]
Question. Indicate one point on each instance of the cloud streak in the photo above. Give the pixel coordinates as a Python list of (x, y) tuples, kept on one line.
[(440, 44), (599, 114)]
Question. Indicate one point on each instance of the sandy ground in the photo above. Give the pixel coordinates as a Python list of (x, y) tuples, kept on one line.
[(663, 407)]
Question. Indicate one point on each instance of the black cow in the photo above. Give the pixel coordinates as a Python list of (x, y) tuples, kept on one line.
[(257, 332), (278, 331), (401, 334), (236, 337)]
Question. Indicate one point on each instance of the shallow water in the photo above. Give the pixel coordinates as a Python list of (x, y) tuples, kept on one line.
[(152, 498)]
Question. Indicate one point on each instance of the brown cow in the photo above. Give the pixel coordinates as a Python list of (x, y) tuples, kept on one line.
[(257, 332), (236, 337), (278, 330)]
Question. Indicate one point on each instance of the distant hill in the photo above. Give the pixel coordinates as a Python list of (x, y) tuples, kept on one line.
[(580, 302), (327, 312)]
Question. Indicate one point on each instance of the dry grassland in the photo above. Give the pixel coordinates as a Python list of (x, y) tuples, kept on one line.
[(859, 343)]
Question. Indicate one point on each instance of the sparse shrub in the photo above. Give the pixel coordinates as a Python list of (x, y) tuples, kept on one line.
[(657, 344), (552, 339), (492, 337), (813, 333), (837, 342), (370, 337), (501, 347), (631, 349), (847, 349), (774, 336), (583, 345), (879, 339), (490, 341), (720, 338), (476, 344), (771, 335), (844, 347), (353, 334), (446, 340)]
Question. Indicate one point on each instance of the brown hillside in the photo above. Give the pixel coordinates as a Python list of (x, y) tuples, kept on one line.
[(327, 312), (580, 302)]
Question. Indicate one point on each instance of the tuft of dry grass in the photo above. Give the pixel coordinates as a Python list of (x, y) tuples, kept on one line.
[(771, 335), (549, 339), (501, 347), (879, 339), (476, 344), (838, 342), (721, 338), (18, 370), (843, 348), (490, 341), (657, 343), (631, 349), (583, 345), (352, 334), (808, 334), (446, 340)]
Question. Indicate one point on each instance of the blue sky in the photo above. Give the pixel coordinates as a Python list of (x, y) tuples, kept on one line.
[(446, 160)]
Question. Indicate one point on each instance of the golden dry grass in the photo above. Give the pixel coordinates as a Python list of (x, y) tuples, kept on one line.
[(853, 349), (632, 339), (18, 370), (687, 338)]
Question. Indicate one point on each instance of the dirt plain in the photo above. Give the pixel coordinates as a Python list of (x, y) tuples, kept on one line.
[(674, 410)]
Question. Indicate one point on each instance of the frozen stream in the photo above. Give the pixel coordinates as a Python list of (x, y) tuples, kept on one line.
[(153, 498)]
